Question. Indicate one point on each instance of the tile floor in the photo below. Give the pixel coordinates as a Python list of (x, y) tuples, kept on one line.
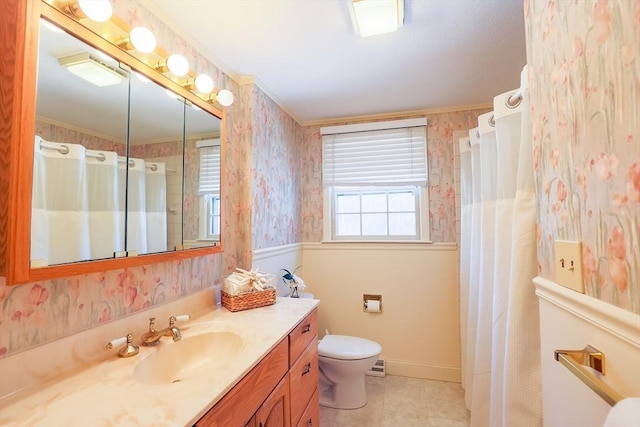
[(403, 402)]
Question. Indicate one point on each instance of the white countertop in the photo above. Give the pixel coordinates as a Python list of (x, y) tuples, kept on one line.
[(107, 394)]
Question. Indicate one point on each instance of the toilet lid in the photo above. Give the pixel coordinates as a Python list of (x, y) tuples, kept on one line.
[(348, 348)]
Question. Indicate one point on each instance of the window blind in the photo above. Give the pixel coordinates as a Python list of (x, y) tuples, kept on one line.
[(209, 169), (396, 156)]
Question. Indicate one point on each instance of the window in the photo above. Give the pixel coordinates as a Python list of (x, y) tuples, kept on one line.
[(375, 179), (209, 189)]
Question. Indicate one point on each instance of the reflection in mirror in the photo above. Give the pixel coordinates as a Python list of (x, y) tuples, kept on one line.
[(154, 213), (78, 198), (202, 178)]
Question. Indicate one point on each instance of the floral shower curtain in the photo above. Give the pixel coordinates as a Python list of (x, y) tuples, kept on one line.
[(501, 374)]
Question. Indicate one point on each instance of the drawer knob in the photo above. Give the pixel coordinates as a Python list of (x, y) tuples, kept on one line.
[(307, 369), (306, 328), (310, 423)]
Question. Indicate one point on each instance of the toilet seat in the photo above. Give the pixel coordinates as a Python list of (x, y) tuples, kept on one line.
[(344, 347)]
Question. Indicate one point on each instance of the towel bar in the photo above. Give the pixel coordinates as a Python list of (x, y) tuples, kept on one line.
[(576, 360)]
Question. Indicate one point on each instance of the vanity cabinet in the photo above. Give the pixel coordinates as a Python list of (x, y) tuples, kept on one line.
[(274, 412), (280, 391), (303, 372), (240, 405)]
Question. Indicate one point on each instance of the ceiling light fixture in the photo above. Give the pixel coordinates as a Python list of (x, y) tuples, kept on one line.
[(92, 70), (371, 17)]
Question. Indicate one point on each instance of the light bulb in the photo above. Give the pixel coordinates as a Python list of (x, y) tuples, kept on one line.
[(225, 97), (96, 10), (178, 65), (204, 83), (143, 39)]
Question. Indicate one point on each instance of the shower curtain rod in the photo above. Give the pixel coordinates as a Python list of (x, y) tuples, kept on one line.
[(63, 149)]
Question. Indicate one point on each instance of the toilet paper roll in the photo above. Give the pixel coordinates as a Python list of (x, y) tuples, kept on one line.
[(373, 306), (625, 413)]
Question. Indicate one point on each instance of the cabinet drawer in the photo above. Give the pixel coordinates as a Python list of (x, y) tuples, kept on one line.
[(238, 406), (302, 335), (303, 378), (311, 415)]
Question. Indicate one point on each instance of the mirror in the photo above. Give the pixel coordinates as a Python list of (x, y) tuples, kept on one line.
[(117, 168)]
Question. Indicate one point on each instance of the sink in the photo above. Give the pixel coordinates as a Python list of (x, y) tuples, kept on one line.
[(177, 361)]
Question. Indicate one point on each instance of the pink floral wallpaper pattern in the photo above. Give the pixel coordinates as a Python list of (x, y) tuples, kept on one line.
[(585, 97), (276, 168), (440, 127), (37, 313)]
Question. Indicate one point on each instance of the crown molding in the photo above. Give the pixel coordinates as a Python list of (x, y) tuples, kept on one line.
[(397, 114)]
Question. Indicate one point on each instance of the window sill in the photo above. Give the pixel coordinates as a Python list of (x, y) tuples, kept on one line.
[(364, 242), (381, 246)]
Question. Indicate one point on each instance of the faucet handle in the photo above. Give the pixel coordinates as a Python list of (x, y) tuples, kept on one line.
[(179, 318), (128, 350)]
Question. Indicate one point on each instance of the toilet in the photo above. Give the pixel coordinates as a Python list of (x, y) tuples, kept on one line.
[(343, 361)]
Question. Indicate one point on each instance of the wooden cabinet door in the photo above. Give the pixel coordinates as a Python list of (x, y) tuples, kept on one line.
[(274, 412), (311, 415), (252, 422), (237, 407)]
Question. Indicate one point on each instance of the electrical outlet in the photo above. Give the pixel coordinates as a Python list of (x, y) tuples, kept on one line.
[(569, 264)]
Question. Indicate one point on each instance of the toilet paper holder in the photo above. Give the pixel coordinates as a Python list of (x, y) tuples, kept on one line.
[(376, 307)]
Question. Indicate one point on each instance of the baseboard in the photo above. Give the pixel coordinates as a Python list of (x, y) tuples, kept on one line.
[(418, 370)]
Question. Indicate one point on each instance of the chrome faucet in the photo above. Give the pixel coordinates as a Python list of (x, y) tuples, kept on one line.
[(152, 337)]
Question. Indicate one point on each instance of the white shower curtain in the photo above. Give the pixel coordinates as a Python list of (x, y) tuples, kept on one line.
[(60, 214), (156, 206), (474, 265), (136, 207), (501, 338), (78, 204), (105, 222)]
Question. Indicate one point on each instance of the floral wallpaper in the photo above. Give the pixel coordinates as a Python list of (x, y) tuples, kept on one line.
[(277, 169), (585, 98), (40, 312), (56, 133), (440, 153)]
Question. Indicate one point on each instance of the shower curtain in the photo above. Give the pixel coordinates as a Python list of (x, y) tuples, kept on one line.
[(500, 332), (156, 206), (78, 204)]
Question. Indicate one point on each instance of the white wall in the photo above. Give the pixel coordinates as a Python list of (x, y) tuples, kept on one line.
[(272, 260), (570, 321), (418, 328)]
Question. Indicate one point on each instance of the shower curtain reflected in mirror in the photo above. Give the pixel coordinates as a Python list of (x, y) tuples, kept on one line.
[(78, 201), (499, 324)]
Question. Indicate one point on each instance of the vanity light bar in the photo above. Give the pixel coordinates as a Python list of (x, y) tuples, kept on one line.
[(142, 40)]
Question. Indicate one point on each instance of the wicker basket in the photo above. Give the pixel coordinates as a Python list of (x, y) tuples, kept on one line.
[(248, 300)]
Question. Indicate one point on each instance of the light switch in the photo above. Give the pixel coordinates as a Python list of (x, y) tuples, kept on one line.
[(569, 264)]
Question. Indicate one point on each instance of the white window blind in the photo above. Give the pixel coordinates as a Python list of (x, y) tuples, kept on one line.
[(209, 167), (390, 155)]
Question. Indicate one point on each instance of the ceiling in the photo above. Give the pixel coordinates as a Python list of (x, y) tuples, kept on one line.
[(307, 57)]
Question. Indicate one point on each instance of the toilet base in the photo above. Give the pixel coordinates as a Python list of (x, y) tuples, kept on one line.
[(347, 395)]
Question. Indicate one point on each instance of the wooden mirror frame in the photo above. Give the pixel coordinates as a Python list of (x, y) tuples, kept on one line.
[(19, 21)]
